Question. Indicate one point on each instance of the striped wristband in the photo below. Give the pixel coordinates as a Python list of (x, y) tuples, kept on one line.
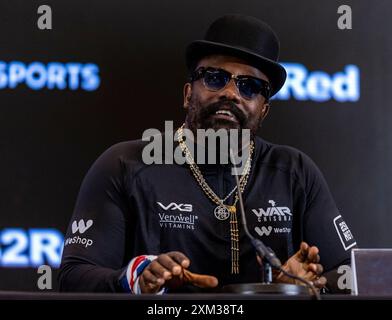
[(130, 280)]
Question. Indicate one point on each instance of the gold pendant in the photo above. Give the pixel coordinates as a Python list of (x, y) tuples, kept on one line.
[(232, 209), (222, 212)]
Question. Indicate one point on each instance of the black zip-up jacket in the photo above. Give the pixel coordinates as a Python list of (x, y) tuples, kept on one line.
[(126, 208)]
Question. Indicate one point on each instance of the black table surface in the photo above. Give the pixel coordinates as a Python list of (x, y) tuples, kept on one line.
[(48, 295)]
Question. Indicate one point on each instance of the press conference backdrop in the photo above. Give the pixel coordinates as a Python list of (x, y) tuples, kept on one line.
[(108, 70)]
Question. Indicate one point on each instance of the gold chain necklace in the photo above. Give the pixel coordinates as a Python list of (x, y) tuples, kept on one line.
[(222, 211)]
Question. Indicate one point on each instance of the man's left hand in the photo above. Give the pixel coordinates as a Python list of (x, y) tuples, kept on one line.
[(305, 264)]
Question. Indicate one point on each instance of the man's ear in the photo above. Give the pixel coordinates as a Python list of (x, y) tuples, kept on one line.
[(187, 94), (264, 111)]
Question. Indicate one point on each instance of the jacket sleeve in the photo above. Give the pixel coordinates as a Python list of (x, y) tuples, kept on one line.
[(94, 256), (323, 225)]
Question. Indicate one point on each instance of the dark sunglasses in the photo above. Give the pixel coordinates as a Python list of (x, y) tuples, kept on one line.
[(216, 79)]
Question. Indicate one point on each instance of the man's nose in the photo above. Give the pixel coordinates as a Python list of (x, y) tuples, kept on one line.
[(230, 92)]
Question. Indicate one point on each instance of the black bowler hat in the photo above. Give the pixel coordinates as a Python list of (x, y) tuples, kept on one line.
[(244, 37)]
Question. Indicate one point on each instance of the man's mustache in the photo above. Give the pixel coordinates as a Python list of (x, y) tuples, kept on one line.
[(226, 105)]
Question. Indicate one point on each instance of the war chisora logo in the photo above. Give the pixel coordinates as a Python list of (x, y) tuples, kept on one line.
[(275, 216), (273, 213)]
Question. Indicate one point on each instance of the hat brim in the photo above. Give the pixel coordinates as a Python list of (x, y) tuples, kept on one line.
[(274, 71)]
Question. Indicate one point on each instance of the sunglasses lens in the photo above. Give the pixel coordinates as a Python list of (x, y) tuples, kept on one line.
[(249, 88), (215, 79)]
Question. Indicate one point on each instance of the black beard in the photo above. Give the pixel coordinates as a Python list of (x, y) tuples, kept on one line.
[(201, 117)]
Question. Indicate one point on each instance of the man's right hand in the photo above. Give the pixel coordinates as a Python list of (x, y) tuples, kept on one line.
[(170, 270)]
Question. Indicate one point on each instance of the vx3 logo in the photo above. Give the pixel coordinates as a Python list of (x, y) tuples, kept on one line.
[(263, 231), (175, 206), (81, 226)]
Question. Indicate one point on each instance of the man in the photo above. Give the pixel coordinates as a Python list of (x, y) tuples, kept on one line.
[(168, 228)]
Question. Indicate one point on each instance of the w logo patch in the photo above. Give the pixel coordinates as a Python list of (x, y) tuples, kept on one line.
[(81, 226), (263, 231)]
